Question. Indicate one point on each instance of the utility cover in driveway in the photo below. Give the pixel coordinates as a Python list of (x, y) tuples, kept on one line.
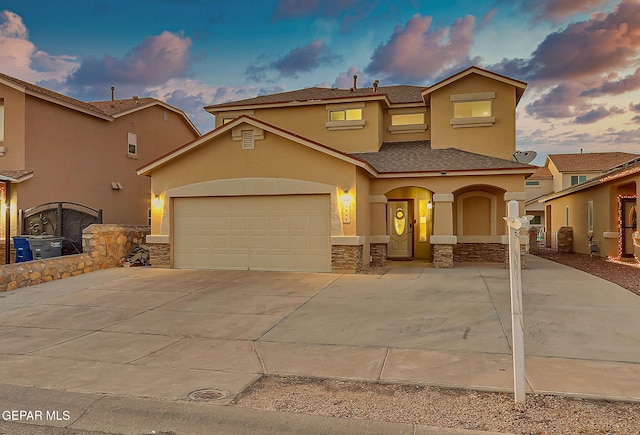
[(287, 232)]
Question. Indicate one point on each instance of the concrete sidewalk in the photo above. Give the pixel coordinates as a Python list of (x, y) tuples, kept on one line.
[(122, 349)]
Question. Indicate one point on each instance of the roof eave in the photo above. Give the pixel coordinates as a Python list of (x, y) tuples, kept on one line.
[(296, 103)]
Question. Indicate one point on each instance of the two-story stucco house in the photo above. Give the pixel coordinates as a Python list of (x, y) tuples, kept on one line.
[(327, 180), (56, 148)]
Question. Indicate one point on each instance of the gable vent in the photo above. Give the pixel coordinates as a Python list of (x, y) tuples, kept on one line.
[(247, 140)]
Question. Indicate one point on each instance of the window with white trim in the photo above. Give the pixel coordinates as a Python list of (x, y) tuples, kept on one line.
[(473, 110), (590, 216), (132, 145)]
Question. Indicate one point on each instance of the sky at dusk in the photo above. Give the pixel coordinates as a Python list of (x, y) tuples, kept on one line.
[(580, 58)]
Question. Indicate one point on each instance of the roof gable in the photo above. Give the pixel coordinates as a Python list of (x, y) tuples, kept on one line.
[(517, 84), (244, 119), (588, 162)]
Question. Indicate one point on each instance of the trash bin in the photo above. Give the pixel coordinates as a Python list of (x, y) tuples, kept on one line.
[(45, 246), (23, 249)]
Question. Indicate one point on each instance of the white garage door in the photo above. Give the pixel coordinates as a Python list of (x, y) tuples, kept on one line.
[(289, 232)]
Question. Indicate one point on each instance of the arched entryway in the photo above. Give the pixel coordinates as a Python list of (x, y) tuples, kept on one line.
[(409, 223)]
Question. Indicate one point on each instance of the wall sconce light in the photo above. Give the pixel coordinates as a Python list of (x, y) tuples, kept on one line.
[(346, 199), (429, 205), (157, 202)]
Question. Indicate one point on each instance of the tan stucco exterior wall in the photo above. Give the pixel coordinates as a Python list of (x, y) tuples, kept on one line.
[(75, 157), (14, 128), (360, 139), (274, 158), (497, 140), (447, 190), (605, 214)]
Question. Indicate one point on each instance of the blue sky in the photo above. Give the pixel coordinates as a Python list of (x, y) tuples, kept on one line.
[(580, 58)]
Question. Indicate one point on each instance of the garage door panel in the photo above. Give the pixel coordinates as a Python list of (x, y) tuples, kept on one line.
[(289, 232)]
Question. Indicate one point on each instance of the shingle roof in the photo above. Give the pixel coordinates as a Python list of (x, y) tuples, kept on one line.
[(541, 173), (589, 162), (418, 156), (117, 106), (51, 94), (629, 167), (396, 95), (14, 175)]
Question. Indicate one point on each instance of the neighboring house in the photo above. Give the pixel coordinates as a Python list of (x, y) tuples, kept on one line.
[(55, 148), (535, 187), (604, 208), (327, 180), (562, 171)]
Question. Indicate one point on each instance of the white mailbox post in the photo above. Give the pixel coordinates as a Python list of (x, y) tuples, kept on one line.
[(516, 223)]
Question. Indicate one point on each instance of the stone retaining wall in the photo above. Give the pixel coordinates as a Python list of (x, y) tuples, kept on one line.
[(104, 245)]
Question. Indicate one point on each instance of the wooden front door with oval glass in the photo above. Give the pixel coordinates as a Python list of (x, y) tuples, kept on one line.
[(400, 229)]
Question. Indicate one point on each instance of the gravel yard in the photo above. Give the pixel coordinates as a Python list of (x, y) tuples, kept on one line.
[(442, 407), (458, 408)]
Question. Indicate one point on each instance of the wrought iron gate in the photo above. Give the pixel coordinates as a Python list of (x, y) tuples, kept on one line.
[(66, 219)]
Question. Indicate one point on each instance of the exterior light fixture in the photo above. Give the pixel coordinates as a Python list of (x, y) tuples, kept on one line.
[(429, 205), (157, 202), (346, 199)]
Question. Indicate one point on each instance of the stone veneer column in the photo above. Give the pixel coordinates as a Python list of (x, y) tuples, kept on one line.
[(160, 250), (443, 238), (347, 254)]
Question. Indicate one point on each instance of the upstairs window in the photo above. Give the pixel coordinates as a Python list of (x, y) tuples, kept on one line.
[(473, 110), (576, 179), (132, 145), (347, 116), (407, 119), (532, 183)]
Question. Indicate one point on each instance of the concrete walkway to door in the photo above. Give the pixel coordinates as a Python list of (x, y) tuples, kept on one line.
[(118, 344)]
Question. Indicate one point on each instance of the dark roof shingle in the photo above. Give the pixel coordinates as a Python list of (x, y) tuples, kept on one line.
[(396, 95), (418, 156)]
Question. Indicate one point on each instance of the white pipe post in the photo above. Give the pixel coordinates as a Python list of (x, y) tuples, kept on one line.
[(517, 327)]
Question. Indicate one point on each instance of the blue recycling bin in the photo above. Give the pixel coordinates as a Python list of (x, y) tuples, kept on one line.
[(23, 249)]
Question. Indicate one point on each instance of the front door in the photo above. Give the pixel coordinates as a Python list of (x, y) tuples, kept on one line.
[(400, 223), (629, 221)]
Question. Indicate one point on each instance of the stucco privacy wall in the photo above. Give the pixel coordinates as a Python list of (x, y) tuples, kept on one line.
[(103, 245)]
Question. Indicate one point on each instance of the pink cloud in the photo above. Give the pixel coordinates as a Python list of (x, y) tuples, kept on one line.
[(417, 52), (20, 58), (157, 59), (345, 79), (558, 10), (303, 58)]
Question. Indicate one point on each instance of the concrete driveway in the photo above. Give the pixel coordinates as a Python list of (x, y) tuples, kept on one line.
[(119, 340)]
